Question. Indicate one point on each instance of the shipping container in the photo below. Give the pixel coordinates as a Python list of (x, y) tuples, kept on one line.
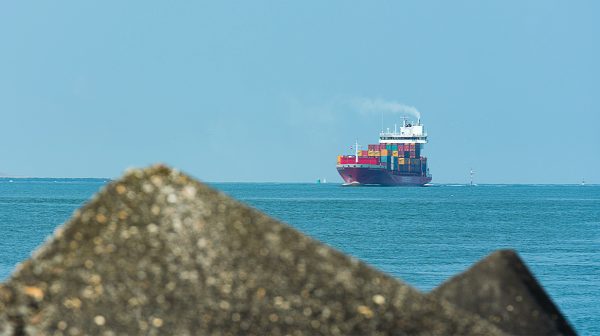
[(368, 160), (384, 152), (347, 160), (395, 153)]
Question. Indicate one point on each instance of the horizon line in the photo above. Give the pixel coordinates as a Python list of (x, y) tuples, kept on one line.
[(298, 182)]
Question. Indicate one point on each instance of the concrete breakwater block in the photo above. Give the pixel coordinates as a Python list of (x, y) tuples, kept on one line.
[(157, 252), (501, 289)]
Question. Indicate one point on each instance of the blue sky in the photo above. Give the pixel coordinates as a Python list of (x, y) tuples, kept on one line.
[(267, 91)]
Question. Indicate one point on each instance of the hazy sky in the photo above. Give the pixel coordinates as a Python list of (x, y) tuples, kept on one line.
[(274, 91)]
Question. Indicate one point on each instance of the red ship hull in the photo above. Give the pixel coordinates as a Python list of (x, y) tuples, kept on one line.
[(377, 175)]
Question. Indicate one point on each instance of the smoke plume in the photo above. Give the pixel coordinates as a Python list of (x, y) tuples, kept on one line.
[(371, 106)]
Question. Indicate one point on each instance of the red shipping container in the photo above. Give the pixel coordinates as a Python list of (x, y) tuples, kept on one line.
[(368, 160), (348, 160), (361, 160)]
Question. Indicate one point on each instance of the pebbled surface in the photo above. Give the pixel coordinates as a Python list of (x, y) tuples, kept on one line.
[(157, 252)]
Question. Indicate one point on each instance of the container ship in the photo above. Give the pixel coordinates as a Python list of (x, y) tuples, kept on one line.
[(395, 161)]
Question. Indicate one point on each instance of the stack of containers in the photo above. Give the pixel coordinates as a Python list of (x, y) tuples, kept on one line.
[(408, 156), (394, 156), (384, 160), (406, 151), (405, 158)]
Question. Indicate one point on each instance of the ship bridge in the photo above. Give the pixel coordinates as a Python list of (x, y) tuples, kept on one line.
[(408, 133)]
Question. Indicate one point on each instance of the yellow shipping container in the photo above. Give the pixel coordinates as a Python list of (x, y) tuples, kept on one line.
[(339, 159), (375, 153), (395, 153), (384, 152), (371, 153), (400, 161)]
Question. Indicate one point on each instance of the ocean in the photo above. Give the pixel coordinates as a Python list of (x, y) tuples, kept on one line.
[(422, 236)]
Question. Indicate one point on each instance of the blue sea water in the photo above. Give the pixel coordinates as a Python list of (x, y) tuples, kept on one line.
[(420, 235)]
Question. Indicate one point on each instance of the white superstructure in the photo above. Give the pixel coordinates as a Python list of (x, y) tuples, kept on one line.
[(408, 133)]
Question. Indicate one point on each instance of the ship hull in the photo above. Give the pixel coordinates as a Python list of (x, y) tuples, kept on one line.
[(376, 175)]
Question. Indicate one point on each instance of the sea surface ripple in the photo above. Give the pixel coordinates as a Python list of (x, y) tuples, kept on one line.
[(420, 235)]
